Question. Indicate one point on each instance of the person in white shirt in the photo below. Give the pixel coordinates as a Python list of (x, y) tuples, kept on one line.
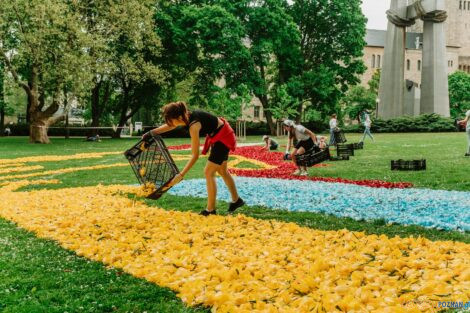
[(306, 141), (467, 120), (333, 125), (367, 124)]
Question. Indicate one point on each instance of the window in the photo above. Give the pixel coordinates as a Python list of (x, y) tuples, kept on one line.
[(419, 65), (256, 115), (460, 5), (460, 67), (408, 65), (378, 61), (464, 5), (373, 61), (452, 63)]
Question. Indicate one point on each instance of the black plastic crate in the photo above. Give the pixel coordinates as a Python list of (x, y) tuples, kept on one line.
[(408, 165), (344, 150), (152, 164), (339, 136), (357, 145), (313, 157), (340, 158)]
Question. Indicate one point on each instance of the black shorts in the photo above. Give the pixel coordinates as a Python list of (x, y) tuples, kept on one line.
[(219, 153), (306, 144)]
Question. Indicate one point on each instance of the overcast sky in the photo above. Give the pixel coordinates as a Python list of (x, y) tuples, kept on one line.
[(374, 10)]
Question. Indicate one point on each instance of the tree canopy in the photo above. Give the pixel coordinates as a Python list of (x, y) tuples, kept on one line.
[(459, 93), (117, 58)]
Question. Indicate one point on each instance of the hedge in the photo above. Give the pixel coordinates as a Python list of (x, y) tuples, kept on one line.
[(408, 124), (422, 123)]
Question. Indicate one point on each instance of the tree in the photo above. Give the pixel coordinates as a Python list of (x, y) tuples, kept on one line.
[(228, 104), (41, 43), (274, 45), (374, 82), (283, 104), (359, 99), (332, 42), (459, 93), (203, 43), (2, 99), (136, 52)]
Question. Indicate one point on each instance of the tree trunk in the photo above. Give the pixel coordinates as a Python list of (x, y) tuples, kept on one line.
[(67, 130), (38, 131), (2, 120), (95, 109), (66, 111), (122, 122), (2, 100), (264, 101), (98, 103), (269, 116)]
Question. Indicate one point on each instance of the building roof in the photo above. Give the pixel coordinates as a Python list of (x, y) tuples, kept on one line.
[(376, 38)]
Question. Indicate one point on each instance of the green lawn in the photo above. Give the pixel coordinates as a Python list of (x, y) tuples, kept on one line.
[(38, 276)]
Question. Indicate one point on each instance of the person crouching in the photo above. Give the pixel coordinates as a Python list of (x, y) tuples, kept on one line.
[(306, 141)]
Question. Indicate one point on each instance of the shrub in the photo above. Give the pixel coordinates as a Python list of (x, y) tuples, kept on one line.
[(421, 123)]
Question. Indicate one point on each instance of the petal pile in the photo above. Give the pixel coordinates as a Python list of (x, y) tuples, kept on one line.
[(440, 209), (240, 264)]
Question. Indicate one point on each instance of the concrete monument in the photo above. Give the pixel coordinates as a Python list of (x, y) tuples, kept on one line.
[(434, 86)]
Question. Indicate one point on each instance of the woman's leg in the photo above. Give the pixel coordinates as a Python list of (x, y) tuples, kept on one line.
[(369, 133), (468, 135), (228, 179), (294, 159), (364, 135), (300, 151), (332, 137), (209, 172)]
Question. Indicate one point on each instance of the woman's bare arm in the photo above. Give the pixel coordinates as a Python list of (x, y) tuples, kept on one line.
[(194, 133), (312, 135)]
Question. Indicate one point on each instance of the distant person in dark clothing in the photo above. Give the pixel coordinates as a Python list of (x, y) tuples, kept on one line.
[(271, 144)]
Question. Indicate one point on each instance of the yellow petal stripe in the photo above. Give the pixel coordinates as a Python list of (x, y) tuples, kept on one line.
[(11, 165), (63, 171), (239, 159), (20, 169), (240, 264), (53, 158)]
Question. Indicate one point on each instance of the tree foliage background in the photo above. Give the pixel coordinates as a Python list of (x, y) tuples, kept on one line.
[(119, 58)]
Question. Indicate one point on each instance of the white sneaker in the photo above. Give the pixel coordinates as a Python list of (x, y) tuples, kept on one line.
[(303, 173), (297, 172)]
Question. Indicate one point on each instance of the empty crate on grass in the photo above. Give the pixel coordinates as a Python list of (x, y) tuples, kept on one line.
[(411, 165), (357, 145), (152, 164), (310, 158), (344, 150)]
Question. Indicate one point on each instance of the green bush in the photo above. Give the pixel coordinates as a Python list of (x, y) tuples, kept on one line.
[(408, 124)]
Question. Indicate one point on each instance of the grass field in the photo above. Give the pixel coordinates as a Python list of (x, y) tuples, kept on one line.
[(37, 275)]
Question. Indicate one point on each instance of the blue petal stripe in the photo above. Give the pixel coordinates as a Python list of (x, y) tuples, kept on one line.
[(429, 208)]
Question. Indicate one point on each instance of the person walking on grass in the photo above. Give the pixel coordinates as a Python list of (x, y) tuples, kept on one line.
[(220, 139), (467, 121), (306, 141), (333, 126), (367, 124)]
